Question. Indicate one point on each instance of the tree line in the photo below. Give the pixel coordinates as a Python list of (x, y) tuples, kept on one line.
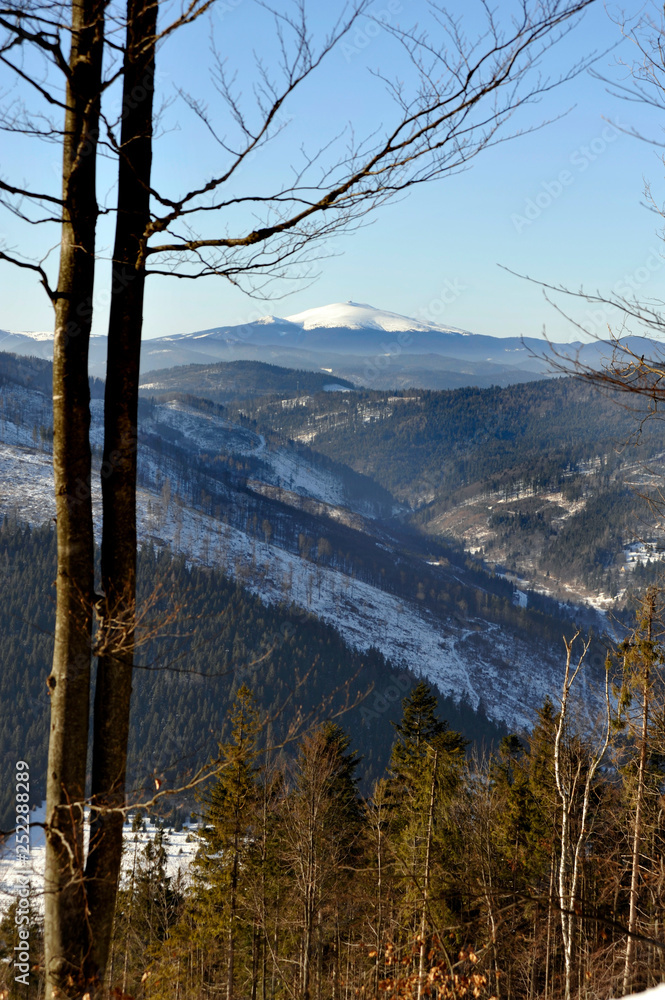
[(535, 870)]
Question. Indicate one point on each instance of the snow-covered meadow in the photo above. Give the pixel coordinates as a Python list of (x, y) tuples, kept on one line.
[(180, 847)]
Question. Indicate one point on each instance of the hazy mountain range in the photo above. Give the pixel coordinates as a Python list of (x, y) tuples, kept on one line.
[(367, 346)]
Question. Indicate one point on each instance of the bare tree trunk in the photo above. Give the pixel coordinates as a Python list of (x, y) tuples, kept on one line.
[(568, 788), (255, 960), (66, 937), (428, 854), (379, 896), (319, 955), (264, 893), (637, 822), (309, 899), (118, 607), (233, 906), (549, 925), (129, 921)]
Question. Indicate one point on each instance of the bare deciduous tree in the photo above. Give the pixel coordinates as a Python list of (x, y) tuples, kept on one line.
[(575, 768)]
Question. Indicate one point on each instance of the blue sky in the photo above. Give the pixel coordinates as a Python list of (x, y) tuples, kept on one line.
[(562, 204)]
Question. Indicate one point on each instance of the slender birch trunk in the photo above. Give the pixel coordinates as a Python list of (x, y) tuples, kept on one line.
[(637, 840), (571, 846)]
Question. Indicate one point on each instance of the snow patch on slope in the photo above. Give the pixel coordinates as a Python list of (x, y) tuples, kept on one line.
[(281, 467), (476, 661)]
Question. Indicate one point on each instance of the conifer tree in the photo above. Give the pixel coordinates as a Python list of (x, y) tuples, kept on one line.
[(421, 732), (425, 771), (147, 910), (228, 818), (321, 822), (641, 655)]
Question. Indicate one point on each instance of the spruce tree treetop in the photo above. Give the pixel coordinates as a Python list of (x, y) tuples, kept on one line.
[(343, 782), (228, 802), (421, 733)]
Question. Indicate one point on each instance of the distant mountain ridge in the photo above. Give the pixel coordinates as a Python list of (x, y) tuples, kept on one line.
[(354, 341), (227, 380)]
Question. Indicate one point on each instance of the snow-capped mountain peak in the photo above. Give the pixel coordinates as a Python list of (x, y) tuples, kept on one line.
[(361, 316)]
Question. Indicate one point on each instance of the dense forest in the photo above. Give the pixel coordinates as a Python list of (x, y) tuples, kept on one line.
[(535, 870), (531, 471), (202, 637), (358, 836), (229, 380), (419, 441), (421, 446), (535, 479)]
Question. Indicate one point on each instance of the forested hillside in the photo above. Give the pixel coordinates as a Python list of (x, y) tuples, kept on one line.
[(524, 475), (203, 637), (337, 848), (229, 380), (298, 527)]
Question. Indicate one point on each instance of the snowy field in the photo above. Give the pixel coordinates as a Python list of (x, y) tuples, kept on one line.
[(180, 848), (641, 553)]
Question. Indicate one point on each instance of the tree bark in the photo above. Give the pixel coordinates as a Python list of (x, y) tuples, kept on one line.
[(572, 791), (629, 957), (637, 840), (66, 937), (118, 474), (426, 880)]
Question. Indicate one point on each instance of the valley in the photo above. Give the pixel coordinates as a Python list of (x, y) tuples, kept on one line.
[(295, 527), (546, 481), (452, 535), (326, 547), (356, 343)]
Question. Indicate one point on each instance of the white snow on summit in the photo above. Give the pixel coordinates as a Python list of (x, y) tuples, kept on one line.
[(361, 316), (267, 320), (43, 335)]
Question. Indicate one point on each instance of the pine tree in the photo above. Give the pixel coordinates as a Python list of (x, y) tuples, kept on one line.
[(421, 733), (148, 908)]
